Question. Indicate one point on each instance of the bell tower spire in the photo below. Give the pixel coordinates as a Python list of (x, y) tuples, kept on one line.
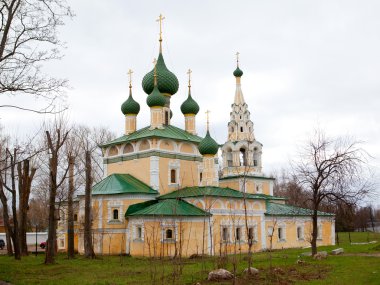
[(241, 153)]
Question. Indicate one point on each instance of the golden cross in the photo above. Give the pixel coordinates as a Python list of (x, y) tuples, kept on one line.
[(189, 73), (208, 118), (130, 77), (237, 58), (154, 61), (160, 19)]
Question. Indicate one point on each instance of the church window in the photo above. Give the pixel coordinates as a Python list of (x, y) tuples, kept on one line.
[(240, 117), (270, 231), (299, 233), (62, 243), (281, 233), (252, 234), (115, 214), (254, 162), (166, 117), (169, 234), (243, 157), (139, 232), (173, 176), (75, 217), (319, 232), (241, 129), (225, 234), (238, 234), (200, 177)]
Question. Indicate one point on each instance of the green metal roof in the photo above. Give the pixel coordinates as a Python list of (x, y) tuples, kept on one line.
[(238, 72), (130, 106), (167, 82), (170, 132), (208, 145), (168, 207), (121, 184), (274, 209), (189, 106), (214, 191), (156, 98)]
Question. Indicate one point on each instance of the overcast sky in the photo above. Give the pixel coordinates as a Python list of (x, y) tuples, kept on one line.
[(306, 64)]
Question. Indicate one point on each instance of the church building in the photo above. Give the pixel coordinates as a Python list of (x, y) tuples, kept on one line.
[(164, 193)]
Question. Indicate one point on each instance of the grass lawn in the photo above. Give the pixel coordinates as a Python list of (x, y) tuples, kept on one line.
[(359, 265)]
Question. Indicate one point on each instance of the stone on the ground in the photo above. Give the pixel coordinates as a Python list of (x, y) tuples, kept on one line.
[(252, 270), (279, 271), (220, 274), (337, 251), (320, 255), (300, 261), (306, 254)]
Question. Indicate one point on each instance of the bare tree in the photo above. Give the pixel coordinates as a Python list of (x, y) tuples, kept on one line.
[(88, 247), (331, 170), (29, 38), (55, 144)]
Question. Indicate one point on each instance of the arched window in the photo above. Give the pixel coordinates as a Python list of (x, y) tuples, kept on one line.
[(173, 176), (200, 177), (243, 157), (128, 148), (115, 214), (169, 234), (75, 217), (113, 151), (241, 129), (144, 145)]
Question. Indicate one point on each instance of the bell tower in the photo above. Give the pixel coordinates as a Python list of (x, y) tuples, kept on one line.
[(241, 153)]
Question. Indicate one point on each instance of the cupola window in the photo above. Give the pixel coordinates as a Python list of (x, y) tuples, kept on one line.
[(166, 117)]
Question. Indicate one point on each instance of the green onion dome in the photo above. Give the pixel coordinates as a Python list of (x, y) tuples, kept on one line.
[(156, 98), (208, 145), (189, 106), (238, 72), (171, 114), (130, 106), (167, 81)]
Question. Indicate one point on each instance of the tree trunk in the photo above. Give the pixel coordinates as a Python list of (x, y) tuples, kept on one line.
[(7, 225), (70, 211), (25, 177), (15, 232), (52, 233), (88, 248), (314, 234)]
